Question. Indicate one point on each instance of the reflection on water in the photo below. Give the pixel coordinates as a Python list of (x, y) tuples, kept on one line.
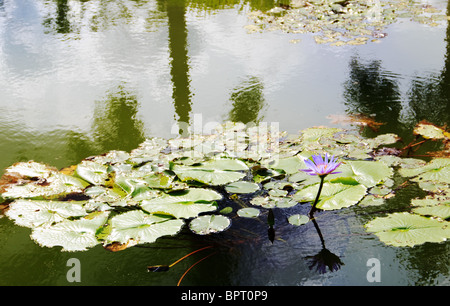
[(324, 258), (247, 101), (83, 77), (179, 69), (116, 123), (370, 90)]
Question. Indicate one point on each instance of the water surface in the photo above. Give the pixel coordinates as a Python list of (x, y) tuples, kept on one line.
[(80, 78)]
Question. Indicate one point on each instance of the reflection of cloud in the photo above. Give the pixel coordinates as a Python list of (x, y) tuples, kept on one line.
[(52, 79), (224, 35)]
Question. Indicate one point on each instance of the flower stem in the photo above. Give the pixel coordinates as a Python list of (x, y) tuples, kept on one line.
[(313, 208)]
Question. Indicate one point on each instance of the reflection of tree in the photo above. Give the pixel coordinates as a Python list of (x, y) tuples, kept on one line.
[(429, 98), (116, 125), (179, 71), (248, 100), (369, 91), (60, 22)]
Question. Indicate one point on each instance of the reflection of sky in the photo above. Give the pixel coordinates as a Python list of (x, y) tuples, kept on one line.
[(53, 80)]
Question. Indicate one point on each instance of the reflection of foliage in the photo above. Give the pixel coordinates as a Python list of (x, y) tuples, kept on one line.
[(429, 100), (371, 90), (63, 18), (61, 22), (98, 15), (116, 124), (248, 100)]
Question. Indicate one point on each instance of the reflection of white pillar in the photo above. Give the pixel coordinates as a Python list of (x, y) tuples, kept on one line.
[(197, 124)]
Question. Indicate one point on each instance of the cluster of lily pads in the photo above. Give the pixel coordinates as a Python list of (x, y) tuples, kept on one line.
[(120, 199), (342, 22)]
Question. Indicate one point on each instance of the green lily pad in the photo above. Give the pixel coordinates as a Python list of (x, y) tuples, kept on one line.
[(441, 210), (242, 187), (371, 200), (430, 131), (383, 139), (333, 195), (433, 186), (31, 169), (288, 165), (248, 212), (298, 219), (285, 202), (304, 178), (406, 229), (437, 170), (113, 196), (432, 206), (265, 202), (183, 204), (209, 224), (33, 213), (131, 182), (141, 227), (92, 172), (316, 133), (78, 235), (368, 173), (213, 172), (53, 186)]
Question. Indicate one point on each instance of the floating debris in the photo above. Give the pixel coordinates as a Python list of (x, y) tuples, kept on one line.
[(340, 23)]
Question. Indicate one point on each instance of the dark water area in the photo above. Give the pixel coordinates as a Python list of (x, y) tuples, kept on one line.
[(80, 78)]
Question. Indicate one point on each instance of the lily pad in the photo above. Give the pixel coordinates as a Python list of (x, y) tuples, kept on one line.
[(53, 186), (298, 219), (289, 165), (213, 172), (184, 204), (432, 206), (92, 172), (78, 235), (333, 195), (209, 224), (368, 173), (248, 212), (437, 170), (31, 169), (406, 229), (242, 187), (141, 227), (33, 213), (430, 131)]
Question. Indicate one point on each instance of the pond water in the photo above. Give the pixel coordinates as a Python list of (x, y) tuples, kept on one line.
[(80, 78)]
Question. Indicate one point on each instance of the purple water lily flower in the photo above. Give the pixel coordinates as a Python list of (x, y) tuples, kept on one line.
[(321, 167)]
